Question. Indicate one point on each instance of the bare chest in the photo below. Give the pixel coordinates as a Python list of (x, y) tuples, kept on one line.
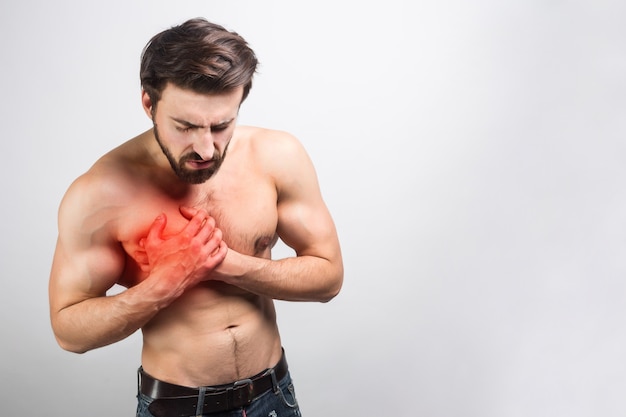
[(244, 209)]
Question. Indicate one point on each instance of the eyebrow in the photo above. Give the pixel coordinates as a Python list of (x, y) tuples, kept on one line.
[(193, 125)]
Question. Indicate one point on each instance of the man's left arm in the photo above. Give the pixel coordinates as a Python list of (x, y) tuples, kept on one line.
[(304, 224)]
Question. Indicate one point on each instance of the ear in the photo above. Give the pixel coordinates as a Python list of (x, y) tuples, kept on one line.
[(146, 102)]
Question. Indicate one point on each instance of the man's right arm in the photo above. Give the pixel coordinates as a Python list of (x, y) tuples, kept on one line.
[(89, 260)]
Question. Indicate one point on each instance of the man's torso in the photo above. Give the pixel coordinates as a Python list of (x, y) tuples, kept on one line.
[(214, 333)]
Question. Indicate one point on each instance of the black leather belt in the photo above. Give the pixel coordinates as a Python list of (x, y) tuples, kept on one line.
[(172, 400)]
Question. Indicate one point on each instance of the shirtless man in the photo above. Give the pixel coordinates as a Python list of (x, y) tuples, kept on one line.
[(184, 216)]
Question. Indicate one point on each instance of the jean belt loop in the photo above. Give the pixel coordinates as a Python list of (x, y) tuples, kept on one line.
[(274, 381), (200, 405)]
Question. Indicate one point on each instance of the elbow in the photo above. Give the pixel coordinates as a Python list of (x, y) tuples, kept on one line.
[(65, 342), (328, 297), (333, 288), (70, 347)]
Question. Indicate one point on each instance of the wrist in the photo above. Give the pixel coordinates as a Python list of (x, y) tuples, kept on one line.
[(163, 285)]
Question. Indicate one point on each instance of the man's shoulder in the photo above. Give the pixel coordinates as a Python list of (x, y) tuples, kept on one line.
[(94, 190), (280, 153), (112, 177), (263, 140)]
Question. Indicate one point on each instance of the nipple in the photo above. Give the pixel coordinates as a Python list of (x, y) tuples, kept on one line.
[(263, 243)]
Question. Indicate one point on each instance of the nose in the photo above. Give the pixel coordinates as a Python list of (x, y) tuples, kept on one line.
[(203, 145)]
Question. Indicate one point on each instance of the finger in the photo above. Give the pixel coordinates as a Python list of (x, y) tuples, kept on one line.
[(157, 227), (215, 243), (205, 233), (141, 257), (217, 255), (220, 252), (189, 212), (223, 248), (198, 222)]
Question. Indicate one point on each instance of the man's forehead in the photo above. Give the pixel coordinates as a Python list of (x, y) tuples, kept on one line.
[(202, 109), (173, 91)]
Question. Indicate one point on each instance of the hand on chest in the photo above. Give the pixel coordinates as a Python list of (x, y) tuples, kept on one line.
[(247, 217)]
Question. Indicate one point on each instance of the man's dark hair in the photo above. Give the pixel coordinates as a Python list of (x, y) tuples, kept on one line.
[(197, 55)]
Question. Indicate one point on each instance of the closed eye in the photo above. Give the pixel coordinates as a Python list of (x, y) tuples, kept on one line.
[(185, 126), (219, 128)]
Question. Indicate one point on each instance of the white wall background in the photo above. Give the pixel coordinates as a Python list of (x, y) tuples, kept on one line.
[(472, 154)]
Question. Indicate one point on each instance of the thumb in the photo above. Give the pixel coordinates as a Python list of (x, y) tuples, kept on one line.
[(188, 212), (157, 227)]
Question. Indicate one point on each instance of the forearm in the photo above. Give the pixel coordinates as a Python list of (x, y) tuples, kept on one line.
[(91, 324), (100, 321), (301, 278)]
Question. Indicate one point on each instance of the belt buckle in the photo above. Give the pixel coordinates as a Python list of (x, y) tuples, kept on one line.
[(242, 392)]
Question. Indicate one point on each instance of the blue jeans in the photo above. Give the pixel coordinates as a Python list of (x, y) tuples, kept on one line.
[(279, 402)]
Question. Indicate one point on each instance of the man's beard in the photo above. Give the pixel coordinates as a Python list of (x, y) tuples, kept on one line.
[(191, 176)]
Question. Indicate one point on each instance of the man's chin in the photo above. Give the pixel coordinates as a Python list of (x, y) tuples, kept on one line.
[(196, 177)]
